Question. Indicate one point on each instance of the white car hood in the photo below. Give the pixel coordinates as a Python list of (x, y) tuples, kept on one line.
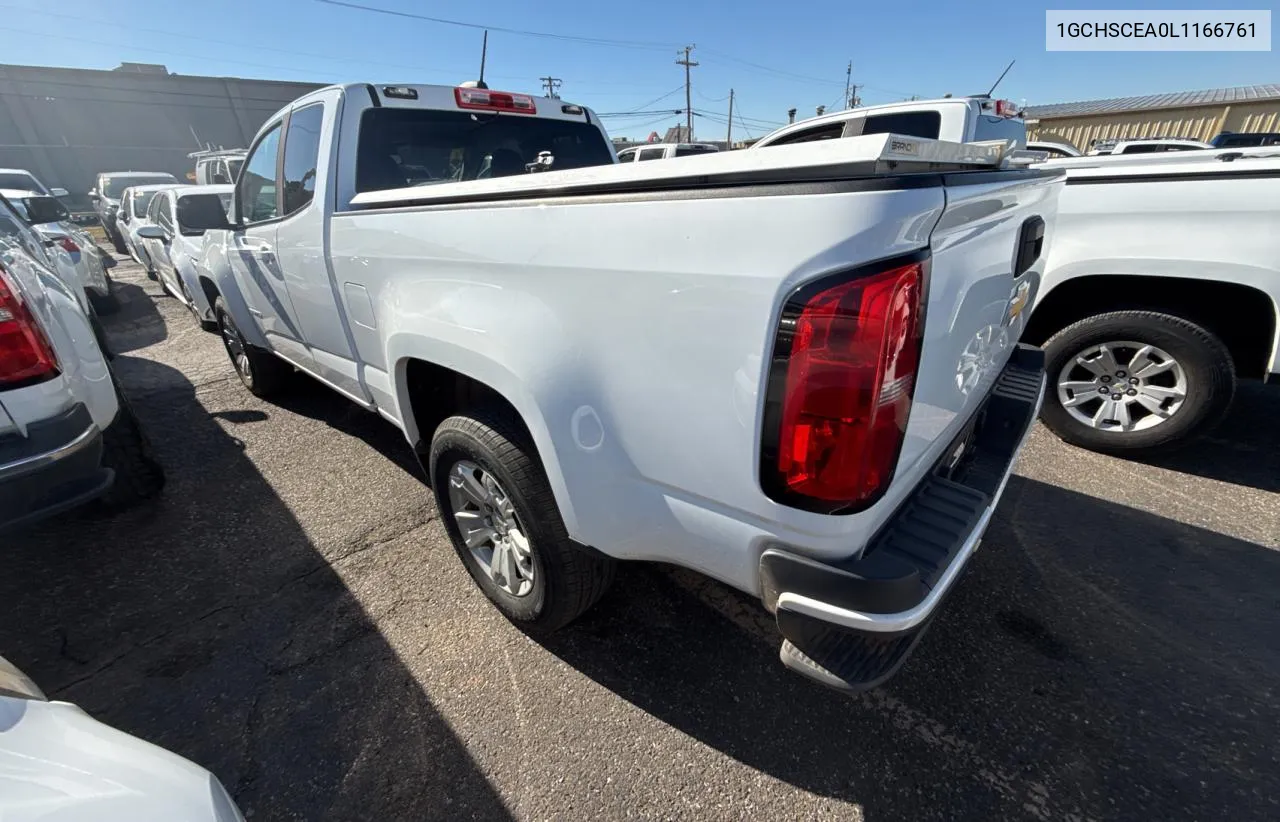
[(58, 764)]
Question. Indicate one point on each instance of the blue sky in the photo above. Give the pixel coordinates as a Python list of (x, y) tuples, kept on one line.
[(799, 51)]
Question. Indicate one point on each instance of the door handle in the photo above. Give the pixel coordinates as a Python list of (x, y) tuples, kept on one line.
[(259, 248)]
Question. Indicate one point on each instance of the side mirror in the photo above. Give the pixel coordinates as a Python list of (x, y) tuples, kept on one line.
[(46, 210), (152, 232), (59, 192), (93, 194)]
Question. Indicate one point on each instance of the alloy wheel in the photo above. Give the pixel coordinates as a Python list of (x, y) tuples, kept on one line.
[(1122, 386), (490, 529)]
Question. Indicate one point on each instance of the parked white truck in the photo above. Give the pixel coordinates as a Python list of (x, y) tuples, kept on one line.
[(795, 371), (956, 119), (1161, 290)]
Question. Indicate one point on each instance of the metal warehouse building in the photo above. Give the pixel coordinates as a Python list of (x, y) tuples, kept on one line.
[(1200, 115), (66, 125)]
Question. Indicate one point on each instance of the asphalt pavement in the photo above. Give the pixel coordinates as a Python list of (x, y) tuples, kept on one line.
[(291, 616)]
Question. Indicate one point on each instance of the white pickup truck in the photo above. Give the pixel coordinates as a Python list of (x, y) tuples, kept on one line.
[(1161, 290), (795, 371)]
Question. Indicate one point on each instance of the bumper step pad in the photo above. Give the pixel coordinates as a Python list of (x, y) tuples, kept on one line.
[(903, 565), (840, 659)]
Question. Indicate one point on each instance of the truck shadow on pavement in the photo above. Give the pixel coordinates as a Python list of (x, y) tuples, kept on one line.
[(1244, 449), (209, 624), (1121, 670), (138, 323)]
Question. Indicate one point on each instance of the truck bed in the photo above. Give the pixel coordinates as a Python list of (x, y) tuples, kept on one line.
[(875, 155)]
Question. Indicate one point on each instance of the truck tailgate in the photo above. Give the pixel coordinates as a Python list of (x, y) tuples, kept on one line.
[(980, 293)]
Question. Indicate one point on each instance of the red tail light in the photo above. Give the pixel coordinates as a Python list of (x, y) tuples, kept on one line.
[(479, 98), (843, 374), (25, 354), (69, 245)]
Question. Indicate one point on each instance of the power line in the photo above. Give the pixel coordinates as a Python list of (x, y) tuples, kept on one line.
[(593, 41), (652, 112), (186, 35), (659, 99), (758, 120), (147, 49), (779, 72)]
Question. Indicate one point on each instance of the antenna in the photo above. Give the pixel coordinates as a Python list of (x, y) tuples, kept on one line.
[(1001, 77), (484, 51)]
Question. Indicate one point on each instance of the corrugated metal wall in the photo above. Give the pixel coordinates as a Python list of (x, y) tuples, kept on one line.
[(67, 125), (1197, 123)]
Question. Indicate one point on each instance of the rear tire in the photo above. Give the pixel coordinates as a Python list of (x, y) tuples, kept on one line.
[(259, 370), (566, 579), (1202, 364), (127, 452)]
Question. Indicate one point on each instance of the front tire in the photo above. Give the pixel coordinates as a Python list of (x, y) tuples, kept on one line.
[(259, 370), (1136, 382), (502, 519)]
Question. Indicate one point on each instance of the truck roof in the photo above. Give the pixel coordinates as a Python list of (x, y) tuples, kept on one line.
[(870, 155)]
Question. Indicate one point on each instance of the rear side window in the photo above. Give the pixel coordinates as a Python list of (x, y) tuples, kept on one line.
[(925, 124), (402, 147), (831, 131), (301, 156), (651, 154), (689, 151)]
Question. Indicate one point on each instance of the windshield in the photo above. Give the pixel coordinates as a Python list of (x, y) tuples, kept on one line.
[(142, 199), (19, 180), (406, 147), (114, 185), (20, 205)]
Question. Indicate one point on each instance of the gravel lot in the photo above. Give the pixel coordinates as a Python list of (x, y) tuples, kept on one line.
[(291, 616)]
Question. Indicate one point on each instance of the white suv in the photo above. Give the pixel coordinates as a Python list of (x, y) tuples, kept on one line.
[(67, 436)]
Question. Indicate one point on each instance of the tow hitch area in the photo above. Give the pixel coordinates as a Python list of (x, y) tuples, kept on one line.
[(851, 625)]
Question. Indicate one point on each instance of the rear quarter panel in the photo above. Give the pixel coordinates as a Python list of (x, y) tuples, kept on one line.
[(630, 335)]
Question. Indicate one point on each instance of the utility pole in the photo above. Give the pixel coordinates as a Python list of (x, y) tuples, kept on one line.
[(688, 86), (551, 84), (728, 137), (848, 76)]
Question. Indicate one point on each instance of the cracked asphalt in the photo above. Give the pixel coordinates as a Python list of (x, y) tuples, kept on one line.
[(290, 615)]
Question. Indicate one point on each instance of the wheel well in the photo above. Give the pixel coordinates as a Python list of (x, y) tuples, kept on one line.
[(210, 290), (1241, 316), (437, 392)]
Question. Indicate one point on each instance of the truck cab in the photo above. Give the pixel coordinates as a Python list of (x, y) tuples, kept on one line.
[(955, 119)]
